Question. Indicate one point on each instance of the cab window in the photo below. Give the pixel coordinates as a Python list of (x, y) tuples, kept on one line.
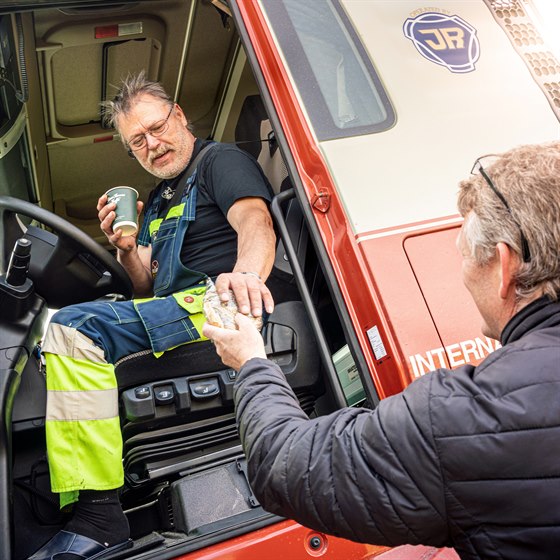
[(336, 80)]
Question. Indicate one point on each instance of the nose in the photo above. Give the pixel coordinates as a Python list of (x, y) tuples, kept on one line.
[(151, 141)]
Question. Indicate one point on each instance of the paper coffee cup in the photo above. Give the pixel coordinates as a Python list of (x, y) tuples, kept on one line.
[(126, 218)]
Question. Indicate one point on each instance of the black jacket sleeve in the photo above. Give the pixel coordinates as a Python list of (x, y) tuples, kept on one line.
[(369, 476)]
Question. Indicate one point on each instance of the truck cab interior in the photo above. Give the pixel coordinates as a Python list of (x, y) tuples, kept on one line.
[(185, 474)]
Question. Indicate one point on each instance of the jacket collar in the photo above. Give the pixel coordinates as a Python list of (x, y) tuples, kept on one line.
[(541, 313)]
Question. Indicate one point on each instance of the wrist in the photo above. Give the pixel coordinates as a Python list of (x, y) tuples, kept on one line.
[(127, 252), (250, 273), (253, 356)]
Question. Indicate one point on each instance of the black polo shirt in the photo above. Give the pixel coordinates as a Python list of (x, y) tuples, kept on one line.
[(225, 175)]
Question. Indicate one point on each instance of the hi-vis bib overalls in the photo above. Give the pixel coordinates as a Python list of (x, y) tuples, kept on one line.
[(84, 341)]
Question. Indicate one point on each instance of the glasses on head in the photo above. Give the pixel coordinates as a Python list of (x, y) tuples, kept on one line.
[(140, 141), (479, 169)]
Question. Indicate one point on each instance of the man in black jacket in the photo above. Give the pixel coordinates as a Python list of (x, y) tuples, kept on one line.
[(468, 458)]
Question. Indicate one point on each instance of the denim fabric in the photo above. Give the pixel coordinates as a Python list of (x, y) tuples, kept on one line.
[(167, 323), (169, 273), (113, 326)]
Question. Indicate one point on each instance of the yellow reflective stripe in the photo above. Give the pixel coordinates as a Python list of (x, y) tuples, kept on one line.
[(175, 211), (68, 374), (84, 455), (198, 320), (191, 300), (154, 225), (67, 341), (67, 497), (82, 405), (194, 291)]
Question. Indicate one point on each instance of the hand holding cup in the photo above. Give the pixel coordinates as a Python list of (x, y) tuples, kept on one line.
[(126, 216), (118, 213)]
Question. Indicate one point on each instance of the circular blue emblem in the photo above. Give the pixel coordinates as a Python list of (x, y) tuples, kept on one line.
[(445, 40)]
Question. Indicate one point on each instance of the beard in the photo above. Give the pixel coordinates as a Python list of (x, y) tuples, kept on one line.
[(181, 155)]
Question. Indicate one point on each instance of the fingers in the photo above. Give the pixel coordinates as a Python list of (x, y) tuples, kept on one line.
[(236, 347), (224, 342), (250, 292), (249, 339), (245, 324), (106, 215), (251, 297), (267, 299), (241, 285), (211, 332), (101, 202), (222, 286)]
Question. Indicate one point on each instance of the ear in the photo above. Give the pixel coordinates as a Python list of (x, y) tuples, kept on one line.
[(508, 262), (180, 114)]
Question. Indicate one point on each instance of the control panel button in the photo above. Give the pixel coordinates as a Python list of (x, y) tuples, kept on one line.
[(142, 392), (164, 394), (204, 388), (232, 374)]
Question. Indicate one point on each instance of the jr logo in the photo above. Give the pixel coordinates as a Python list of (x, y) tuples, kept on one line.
[(446, 40)]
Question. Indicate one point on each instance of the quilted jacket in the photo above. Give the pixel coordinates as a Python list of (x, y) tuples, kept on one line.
[(468, 458)]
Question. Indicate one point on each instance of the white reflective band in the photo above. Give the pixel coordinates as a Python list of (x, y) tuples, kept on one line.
[(67, 341), (82, 405)]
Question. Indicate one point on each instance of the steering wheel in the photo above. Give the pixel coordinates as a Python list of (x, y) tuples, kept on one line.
[(67, 266)]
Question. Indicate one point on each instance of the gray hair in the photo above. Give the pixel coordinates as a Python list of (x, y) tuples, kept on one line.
[(529, 179), (131, 88)]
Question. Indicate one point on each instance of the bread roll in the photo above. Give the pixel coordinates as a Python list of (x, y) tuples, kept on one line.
[(222, 314)]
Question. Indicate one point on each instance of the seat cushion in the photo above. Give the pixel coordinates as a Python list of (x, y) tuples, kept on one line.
[(189, 359)]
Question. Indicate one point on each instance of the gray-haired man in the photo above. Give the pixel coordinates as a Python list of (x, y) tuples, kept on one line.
[(467, 458)]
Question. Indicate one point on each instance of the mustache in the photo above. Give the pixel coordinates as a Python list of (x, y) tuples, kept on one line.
[(159, 151)]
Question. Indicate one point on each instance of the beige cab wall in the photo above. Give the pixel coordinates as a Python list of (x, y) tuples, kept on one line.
[(186, 47)]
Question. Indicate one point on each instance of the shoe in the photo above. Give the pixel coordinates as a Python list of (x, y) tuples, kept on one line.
[(82, 547)]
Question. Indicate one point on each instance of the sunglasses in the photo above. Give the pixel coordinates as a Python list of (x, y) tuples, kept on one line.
[(479, 169)]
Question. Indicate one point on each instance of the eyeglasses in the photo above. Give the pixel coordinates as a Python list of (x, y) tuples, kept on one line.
[(478, 168), (140, 141)]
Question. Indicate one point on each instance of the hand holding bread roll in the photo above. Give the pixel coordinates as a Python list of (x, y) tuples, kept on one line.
[(222, 314)]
